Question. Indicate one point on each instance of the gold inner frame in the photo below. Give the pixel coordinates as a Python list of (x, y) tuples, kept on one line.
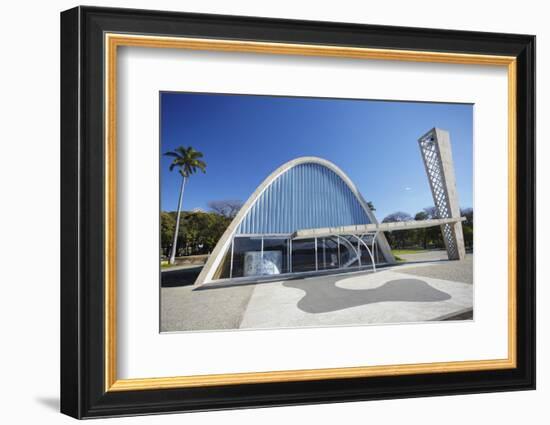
[(113, 41)]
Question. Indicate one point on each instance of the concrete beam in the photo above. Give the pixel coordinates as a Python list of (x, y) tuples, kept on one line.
[(375, 227)]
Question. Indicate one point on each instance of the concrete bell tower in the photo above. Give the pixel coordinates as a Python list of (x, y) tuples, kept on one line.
[(435, 147)]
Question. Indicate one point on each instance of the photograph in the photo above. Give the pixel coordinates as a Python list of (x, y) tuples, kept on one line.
[(294, 212), (264, 210)]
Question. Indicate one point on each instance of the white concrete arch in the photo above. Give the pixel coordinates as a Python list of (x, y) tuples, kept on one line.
[(224, 243)]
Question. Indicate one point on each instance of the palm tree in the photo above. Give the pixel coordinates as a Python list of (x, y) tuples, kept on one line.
[(187, 161)]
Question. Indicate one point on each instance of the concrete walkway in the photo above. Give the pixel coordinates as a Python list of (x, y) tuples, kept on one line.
[(409, 292), (458, 271), (367, 298), (183, 309)]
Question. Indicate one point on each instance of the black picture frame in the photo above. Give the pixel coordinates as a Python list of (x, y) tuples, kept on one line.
[(83, 392)]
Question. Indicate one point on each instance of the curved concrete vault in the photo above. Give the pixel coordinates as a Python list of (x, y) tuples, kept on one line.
[(304, 193)]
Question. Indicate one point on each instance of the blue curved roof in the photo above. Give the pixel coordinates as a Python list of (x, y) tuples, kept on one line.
[(306, 196)]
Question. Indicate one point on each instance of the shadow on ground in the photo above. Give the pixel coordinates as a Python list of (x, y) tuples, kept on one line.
[(179, 277), (325, 296)]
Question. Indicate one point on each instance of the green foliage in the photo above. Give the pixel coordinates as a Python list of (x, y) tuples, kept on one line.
[(167, 225), (186, 160), (406, 251), (421, 236), (397, 216), (199, 232), (399, 239), (430, 237), (468, 235), (468, 227)]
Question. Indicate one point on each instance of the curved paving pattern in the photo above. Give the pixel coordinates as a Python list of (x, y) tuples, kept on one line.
[(326, 297), (392, 295)]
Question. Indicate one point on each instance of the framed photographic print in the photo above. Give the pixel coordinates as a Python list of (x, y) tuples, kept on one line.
[(261, 212)]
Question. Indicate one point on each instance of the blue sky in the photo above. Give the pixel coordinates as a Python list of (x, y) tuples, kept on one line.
[(244, 138)]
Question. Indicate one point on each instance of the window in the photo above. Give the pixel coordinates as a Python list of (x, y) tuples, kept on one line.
[(246, 251), (275, 256), (327, 253), (303, 255)]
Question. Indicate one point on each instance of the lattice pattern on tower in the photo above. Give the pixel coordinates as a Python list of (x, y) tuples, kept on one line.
[(432, 161)]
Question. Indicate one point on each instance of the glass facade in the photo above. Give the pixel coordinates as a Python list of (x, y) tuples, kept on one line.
[(277, 249), (327, 253), (303, 255), (242, 246), (257, 256), (348, 251)]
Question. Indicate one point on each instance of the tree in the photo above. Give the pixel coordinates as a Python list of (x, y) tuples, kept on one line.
[(202, 231), (397, 216), (469, 214), (167, 225), (227, 207), (433, 234), (468, 226), (468, 233), (422, 215), (398, 238), (187, 161), (422, 234), (431, 213)]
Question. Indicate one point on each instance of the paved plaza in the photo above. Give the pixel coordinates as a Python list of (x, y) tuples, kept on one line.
[(425, 288)]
